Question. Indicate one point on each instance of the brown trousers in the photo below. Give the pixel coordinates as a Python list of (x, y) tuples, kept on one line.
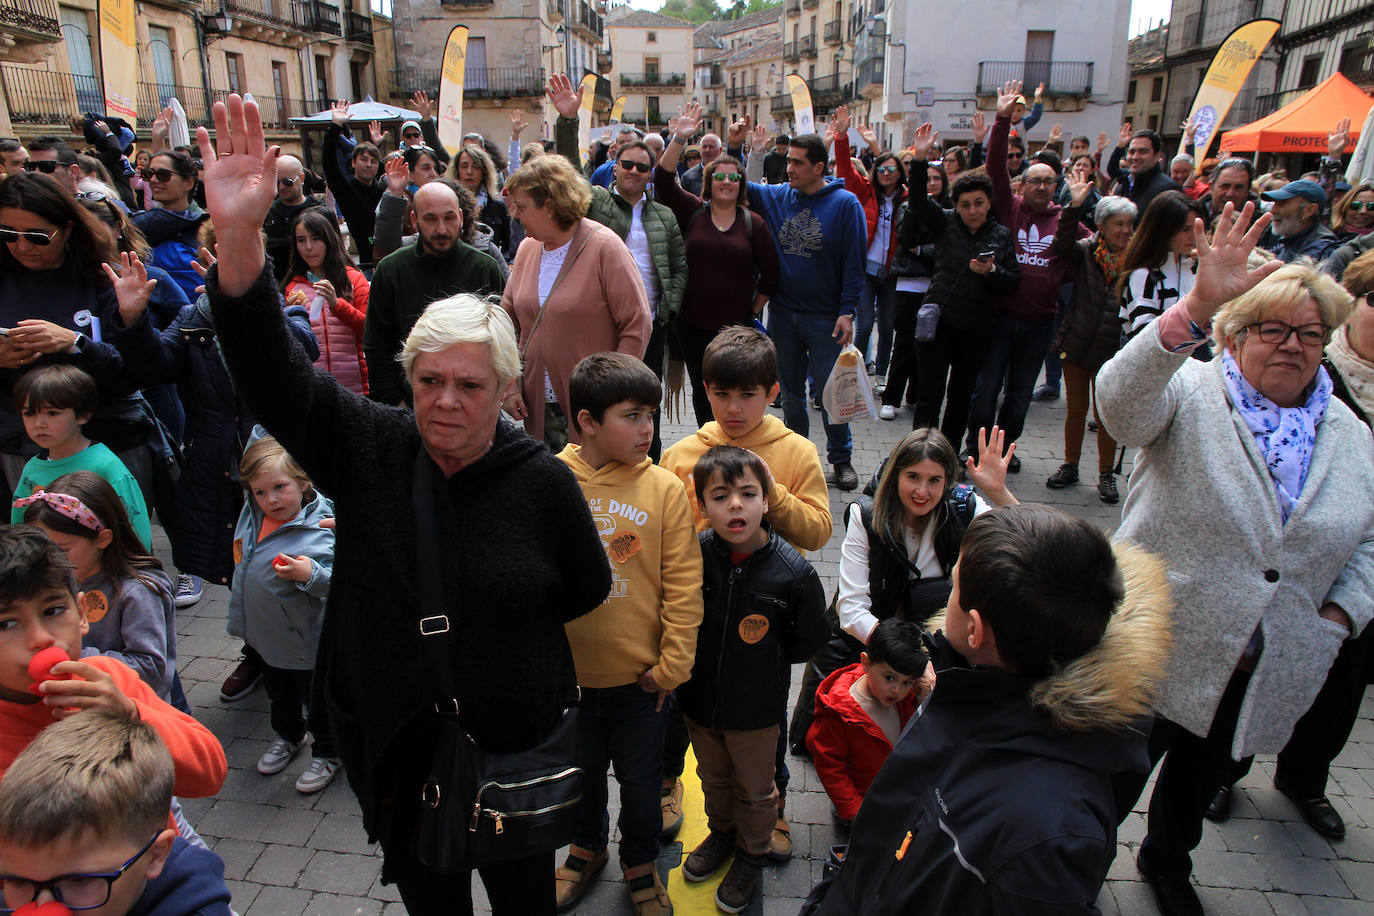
[(736, 772), (1078, 383)]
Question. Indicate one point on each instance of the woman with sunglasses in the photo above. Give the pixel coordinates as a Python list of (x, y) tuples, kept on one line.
[(171, 226), (1354, 215), (881, 197), (333, 291), (57, 306), (732, 263)]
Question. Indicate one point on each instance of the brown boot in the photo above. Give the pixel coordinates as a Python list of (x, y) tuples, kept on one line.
[(780, 843), (671, 803), (648, 896), (573, 877)]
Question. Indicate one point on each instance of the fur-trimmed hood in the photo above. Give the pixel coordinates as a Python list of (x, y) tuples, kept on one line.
[(1114, 684)]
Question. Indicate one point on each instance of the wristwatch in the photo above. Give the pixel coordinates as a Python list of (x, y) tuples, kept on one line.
[(79, 345)]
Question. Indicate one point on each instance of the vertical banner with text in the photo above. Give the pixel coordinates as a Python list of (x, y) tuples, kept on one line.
[(1232, 64), (618, 110), (584, 114), (451, 78), (119, 59), (801, 104)]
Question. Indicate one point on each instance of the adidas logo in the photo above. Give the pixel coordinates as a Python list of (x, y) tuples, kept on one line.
[(1032, 242), (1032, 259)]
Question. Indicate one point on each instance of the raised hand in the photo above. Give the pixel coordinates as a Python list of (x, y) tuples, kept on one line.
[(758, 140), (566, 101), (517, 123), (338, 113), (980, 127), (1006, 99), (688, 122), (737, 132), (1338, 139), (132, 287), (1101, 140), (162, 124), (922, 140), (871, 138), (374, 130), (1223, 271), (1039, 90), (1123, 138), (1189, 130), (422, 103), (241, 182), (397, 176), (1079, 191), (839, 120), (989, 472), (205, 259), (1056, 133)]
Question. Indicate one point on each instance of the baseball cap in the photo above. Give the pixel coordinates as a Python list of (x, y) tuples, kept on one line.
[(1307, 190)]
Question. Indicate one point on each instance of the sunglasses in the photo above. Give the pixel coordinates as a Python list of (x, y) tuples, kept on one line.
[(410, 135), (732, 177), (286, 182), (1015, 155), (885, 169), (1357, 206), (32, 236), (635, 166), (46, 166), (93, 196), (162, 175)]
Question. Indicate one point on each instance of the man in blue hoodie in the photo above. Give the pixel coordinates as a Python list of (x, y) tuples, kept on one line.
[(820, 233)]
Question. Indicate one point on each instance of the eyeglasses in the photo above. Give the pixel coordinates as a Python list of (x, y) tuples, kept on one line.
[(32, 236), (1366, 205), (46, 166), (1038, 182), (630, 164), (1276, 333), (732, 177), (162, 175), (885, 169), (410, 135), (75, 892), (286, 182)]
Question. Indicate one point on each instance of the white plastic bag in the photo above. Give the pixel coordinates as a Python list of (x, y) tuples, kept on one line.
[(848, 393)]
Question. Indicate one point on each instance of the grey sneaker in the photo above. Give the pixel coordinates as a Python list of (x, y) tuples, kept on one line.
[(319, 774), (188, 590), (278, 756)]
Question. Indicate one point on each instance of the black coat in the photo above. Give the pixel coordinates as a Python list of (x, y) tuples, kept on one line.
[(218, 425), (357, 200), (1090, 329), (520, 557), (760, 617), (497, 218), (966, 297), (1142, 188)]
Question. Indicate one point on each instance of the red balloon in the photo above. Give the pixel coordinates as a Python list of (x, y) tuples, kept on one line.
[(50, 908), (40, 667)]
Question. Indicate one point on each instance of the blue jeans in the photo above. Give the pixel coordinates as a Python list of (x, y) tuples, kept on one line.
[(876, 307), (1016, 351), (803, 339), (618, 725)]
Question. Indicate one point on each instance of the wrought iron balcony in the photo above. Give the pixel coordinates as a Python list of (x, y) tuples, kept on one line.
[(35, 20), (359, 28), (659, 80), (478, 83), (1061, 77), (832, 32), (807, 46)]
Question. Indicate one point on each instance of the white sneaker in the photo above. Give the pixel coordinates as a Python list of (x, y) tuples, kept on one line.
[(319, 774), (278, 756), (887, 412)]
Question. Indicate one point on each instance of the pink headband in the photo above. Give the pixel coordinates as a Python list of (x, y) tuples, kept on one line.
[(69, 506)]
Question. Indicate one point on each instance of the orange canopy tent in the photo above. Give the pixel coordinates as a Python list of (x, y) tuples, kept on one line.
[(1302, 126)]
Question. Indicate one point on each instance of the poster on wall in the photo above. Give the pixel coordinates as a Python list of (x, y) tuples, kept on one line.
[(119, 59), (451, 77)]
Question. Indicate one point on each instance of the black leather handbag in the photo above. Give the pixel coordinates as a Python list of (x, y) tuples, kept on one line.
[(478, 807)]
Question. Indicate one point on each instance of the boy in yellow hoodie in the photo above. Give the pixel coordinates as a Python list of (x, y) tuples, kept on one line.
[(640, 644), (740, 372)]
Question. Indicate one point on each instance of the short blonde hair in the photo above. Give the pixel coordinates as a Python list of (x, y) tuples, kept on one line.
[(553, 179), (265, 456), (100, 774), (465, 318), (1358, 278), (479, 156), (1282, 293), (530, 150)]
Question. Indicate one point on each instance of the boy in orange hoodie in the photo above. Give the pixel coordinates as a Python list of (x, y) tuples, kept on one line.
[(861, 711), (640, 643), (40, 608), (740, 372)]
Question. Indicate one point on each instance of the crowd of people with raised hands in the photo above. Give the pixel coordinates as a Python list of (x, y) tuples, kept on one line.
[(408, 412)]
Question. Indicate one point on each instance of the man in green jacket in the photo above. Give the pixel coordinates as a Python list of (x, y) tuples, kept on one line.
[(648, 228)]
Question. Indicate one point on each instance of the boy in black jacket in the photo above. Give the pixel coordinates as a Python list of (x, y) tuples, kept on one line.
[(763, 611), (1000, 798)]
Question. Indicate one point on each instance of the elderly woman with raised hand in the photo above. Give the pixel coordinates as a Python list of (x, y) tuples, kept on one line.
[(574, 290), (1090, 327), (1252, 486), (515, 533)]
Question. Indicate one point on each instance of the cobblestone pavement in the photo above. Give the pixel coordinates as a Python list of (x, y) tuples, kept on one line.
[(287, 853)]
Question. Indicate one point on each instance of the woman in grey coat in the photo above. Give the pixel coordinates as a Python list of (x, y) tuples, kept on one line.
[(1251, 484)]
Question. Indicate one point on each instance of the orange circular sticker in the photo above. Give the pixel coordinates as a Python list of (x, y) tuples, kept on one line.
[(625, 546), (753, 628), (95, 604)]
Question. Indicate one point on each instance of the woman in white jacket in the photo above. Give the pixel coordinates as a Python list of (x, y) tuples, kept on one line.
[(1251, 484)]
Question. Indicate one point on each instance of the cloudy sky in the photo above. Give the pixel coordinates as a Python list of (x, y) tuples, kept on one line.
[(1142, 11)]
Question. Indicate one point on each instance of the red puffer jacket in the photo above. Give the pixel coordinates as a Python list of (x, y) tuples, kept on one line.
[(339, 330), (847, 747)]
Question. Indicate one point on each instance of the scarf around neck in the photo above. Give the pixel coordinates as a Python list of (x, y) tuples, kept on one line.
[(1355, 371), (1286, 436)]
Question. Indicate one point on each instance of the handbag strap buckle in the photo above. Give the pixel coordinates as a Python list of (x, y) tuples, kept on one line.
[(447, 706), (434, 626)]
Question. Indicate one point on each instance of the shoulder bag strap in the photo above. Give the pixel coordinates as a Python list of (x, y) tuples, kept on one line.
[(434, 621)]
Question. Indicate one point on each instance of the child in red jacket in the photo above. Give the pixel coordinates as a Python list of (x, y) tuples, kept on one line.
[(861, 711)]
